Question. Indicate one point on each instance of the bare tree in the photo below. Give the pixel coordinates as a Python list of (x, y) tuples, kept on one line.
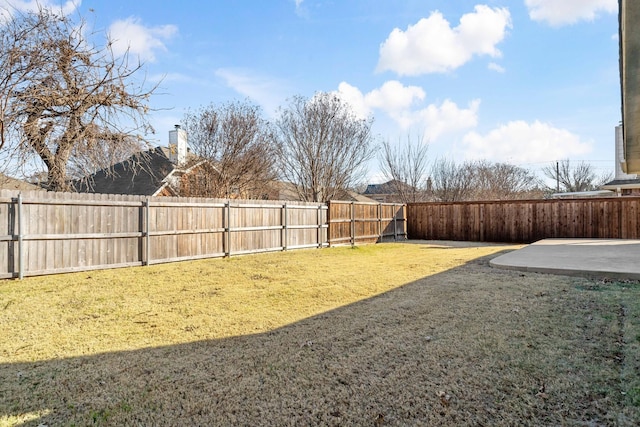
[(322, 146), (451, 182), (63, 98), (568, 178), (503, 181), (482, 180), (235, 141), (405, 165)]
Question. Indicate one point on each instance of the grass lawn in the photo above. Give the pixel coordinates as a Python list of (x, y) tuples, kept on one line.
[(393, 334)]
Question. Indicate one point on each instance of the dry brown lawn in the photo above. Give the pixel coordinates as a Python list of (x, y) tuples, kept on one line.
[(395, 334)]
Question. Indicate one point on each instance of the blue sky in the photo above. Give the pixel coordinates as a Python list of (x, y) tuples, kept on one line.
[(523, 81)]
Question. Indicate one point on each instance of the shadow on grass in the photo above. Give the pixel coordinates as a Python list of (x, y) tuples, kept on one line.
[(471, 345)]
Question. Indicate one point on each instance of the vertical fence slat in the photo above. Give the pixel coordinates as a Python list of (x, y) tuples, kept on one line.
[(353, 223), (227, 229), (377, 224), (319, 223), (395, 224), (284, 236)]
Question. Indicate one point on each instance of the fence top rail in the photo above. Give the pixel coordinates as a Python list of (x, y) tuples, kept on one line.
[(345, 202), (160, 204), (314, 207), (621, 199), (6, 195), (72, 202), (362, 219), (275, 206), (155, 202)]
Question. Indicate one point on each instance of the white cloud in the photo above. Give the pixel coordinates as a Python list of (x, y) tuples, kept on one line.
[(8, 8), (401, 104), (496, 67), (354, 97), (393, 96), (263, 90), (522, 142), (563, 12), (445, 118), (432, 46), (130, 34)]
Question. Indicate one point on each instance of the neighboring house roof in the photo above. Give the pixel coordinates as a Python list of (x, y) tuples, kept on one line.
[(583, 194), (387, 192), (622, 184), (148, 173), (142, 174), (8, 183), (353, 196), (388, 187), (282, 190)]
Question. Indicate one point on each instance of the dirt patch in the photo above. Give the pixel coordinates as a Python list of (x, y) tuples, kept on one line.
[(462, 345)]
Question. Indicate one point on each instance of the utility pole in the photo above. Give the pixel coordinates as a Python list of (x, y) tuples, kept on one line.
[(557, 177)]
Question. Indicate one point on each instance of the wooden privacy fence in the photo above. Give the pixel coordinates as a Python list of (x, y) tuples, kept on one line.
[(526, 221), (357, 222), (47, 233)]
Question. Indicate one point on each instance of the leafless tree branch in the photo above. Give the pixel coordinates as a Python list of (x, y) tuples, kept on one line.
[(405, 165), (569, 178), (235, 141), (322, 147), (482, 180), (73, 105)]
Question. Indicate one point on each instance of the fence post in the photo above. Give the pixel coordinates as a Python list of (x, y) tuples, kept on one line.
[(147, 229), (226, 241), (353, 223), (284, 236), (329, 226), (20, 241), (319, 220)]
